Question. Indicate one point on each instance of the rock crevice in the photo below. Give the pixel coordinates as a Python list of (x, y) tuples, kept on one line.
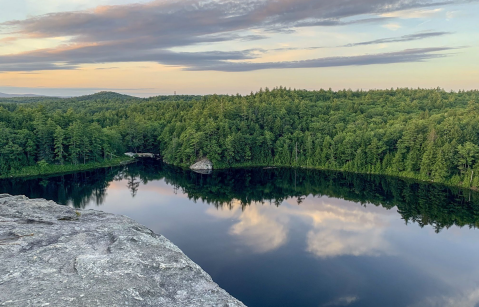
[(55, 255)]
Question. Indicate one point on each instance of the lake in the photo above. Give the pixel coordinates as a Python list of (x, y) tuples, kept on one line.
[(295, 237)]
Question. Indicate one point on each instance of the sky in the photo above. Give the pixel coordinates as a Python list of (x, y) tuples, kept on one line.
[(147, 48)]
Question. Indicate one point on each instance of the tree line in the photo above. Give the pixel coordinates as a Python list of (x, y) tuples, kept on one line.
[(417, 133)]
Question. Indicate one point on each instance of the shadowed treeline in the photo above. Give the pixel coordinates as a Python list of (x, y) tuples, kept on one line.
[(425, 204)]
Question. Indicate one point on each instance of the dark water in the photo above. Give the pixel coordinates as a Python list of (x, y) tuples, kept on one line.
[(283, 237)]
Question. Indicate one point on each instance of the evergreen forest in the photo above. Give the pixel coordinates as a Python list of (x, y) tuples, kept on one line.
[(425, 134)]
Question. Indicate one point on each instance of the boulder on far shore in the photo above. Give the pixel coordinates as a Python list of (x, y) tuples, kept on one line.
[(203, 165)]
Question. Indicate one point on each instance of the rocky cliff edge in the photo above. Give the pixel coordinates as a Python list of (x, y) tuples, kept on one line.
[(54, 255)]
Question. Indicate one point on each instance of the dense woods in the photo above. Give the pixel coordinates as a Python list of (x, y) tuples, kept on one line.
[(423, 134)]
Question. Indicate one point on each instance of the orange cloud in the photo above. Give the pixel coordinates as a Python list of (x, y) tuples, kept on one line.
[(8, 39)]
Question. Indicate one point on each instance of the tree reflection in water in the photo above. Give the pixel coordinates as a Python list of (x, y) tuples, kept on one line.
[(425, 204)]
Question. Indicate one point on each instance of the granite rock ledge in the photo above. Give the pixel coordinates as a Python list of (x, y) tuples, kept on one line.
[(54, 255)]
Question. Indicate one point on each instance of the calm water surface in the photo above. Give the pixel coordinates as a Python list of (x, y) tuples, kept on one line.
[(282, 237)]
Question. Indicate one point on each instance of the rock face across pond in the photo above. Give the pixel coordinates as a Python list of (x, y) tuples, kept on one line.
[(203, 165), (54, 255)]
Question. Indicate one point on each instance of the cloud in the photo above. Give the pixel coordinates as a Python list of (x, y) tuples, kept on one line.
[(404, 38), (71, 57), (400, 39), (34, 66), (466, 297), (7, 40), (106, 68), (392, 26), (454, 14), (342, 301), (147, 32), (404, 56), (177, 21), (408, 14)]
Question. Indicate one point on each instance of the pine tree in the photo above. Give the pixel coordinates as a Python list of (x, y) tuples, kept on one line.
[(59, 145), (75, 132), (386, 162), (43, 136), (398, 163), (326, 151), (439, 170), (360, 160), (317, 153), (467, 155), (412, 160), (427, 161), (30, 150), (308, 141), (373, 152), (96, 141)]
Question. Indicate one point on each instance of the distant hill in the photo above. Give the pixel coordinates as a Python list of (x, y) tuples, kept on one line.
[(104, 100), (99, 95), (3, 95), (104, 96)]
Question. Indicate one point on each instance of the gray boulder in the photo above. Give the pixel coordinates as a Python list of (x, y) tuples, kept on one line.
[(140, 155), (54, 255), (202, 165)]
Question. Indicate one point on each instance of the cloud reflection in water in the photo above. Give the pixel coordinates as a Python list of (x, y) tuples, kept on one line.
[(261, 229), (335, 229)]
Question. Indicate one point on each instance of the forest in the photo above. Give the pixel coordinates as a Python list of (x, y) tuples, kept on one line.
[(424, 134)]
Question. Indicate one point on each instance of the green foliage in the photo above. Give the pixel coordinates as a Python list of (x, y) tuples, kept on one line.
[(43, 168), (439, 170), (467, 155), (42, 164), (422, 134)]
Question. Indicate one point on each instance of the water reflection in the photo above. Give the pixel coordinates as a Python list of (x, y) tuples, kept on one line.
[(285, 237), (334, 229), (345, 230), (424, 204), (261, 230)]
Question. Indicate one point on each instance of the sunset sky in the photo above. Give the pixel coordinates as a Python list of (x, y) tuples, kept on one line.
[(146, 48)]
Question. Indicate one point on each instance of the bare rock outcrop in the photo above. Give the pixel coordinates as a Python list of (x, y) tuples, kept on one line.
[(54, 255), (203, 165)]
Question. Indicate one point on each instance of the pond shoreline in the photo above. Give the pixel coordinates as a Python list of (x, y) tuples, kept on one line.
[(403, 177), (57, 170), (36, 172)]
